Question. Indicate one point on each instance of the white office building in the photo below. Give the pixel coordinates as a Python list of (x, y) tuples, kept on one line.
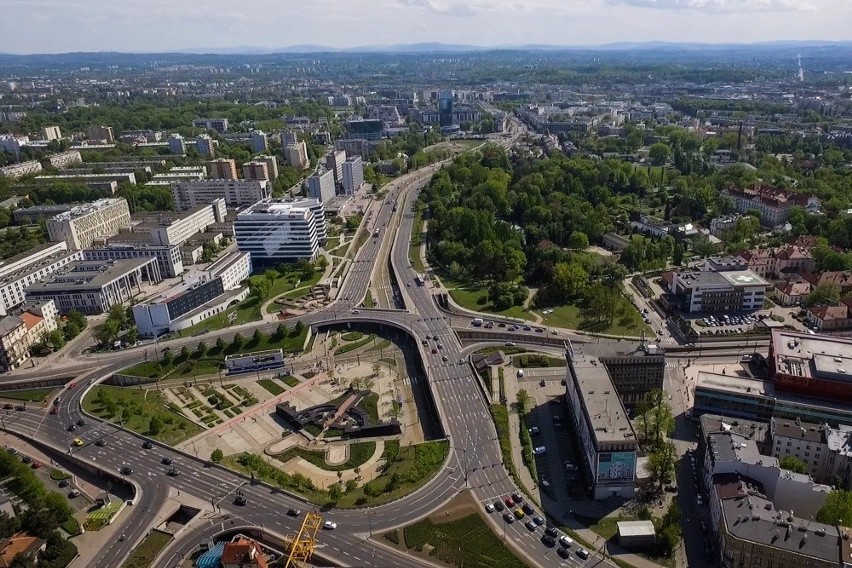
[(25, 269), (318, 209), (178, 231), (235, 192), (84, 223), (275, 231), (353, 175), (321, 186)]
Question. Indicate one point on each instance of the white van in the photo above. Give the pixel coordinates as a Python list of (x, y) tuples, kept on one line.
[(566, 541)]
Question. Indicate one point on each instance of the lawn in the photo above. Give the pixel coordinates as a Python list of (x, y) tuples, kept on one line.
[(570, 317), (476, 299), (136, 408), (368, 300), (246, 311), (148, 550), (290, 380), (211, 362), (28, 395), (359, 453), (290, 288), (416, 241), (273, 387), (465, 542), (355, 345)]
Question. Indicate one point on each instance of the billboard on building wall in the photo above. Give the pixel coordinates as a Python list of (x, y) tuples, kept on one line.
[(616, 466)]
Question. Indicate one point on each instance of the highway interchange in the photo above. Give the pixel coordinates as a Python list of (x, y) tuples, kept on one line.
[(474, 463)]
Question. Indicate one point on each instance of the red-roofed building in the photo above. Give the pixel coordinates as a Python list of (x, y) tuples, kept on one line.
[(772, 203), (243, 553), (829, 318), (19, 544), (777, 261)]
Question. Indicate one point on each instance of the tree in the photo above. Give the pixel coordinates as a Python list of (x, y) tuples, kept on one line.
[(793, 463), (335, 492), (826, 293), (256, 337), (107, 333), (259, 288), (119, 314), (238, 341), (132, 335), (216, 456), (351, 485), (661, 463), (523, 401), (578, 240), (659, 153), (78, 319), (677, 255), (155, 425), (184, 353), (167, 357), (201, 349), (220, 344), (300, 327), (280, 332), (837, 509)]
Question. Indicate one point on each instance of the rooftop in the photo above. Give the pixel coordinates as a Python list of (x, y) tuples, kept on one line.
[(743, 278), (635, 528), (88, 274), (85, 209), (605, 411), (276, 207), (818, 356)]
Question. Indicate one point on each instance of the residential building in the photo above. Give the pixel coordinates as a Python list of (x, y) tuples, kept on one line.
[(754, 530), (101, 134), (811, 365), (716, 292), (334, 163), (321, 186), (12, 144), (205, 145), (296, 154), (92, 287), (843, 279), (236, 192), (27, 268), (256, 170), (176, 229), (370, 129), (243, 553), (259, 142), (276, 231), (606, 438), (107, 179), (168, 256), (792, 293), (216, 288), (830, 318), (177, 145), (220, 125), (222, 168), (271, 165), (826, 451), (719, 225), (83, 223), (63, 160), (356, 147), (21, 169), (51, 133), (20, 544), (288, 138), (768, 263), (29, 324), (772, 203), (353, 175), (140, 136)]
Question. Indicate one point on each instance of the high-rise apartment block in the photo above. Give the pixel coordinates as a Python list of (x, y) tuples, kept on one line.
[(63, 159), (353, 175), (321, 186), (222, 168), (275, 231), (297, 155), (288, 138), (205, 145), (101, 133), (84, 223), (235, 192), (255, 170), (177, 146), (220, 125), (271, 164), (51, 133), (334, 162), (259, 142)]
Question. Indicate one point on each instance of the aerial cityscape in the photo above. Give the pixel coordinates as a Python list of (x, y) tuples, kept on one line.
[(423, 283)]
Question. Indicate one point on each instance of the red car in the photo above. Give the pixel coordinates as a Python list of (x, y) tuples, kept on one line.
[(54, 410), (509, 502), (72, 385), (36, 465)]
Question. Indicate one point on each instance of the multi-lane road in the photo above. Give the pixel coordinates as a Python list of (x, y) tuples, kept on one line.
[(474, 463)]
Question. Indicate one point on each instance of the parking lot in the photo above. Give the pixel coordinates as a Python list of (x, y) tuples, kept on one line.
[(727, 324)]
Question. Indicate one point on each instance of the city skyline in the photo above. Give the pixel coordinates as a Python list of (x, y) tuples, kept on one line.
[(54, 26)]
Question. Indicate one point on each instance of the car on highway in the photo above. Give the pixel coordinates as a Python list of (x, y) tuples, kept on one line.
[(531, 526), (539, 521), (566, 541), (538, 450), (166, 461), (510, 502), (516, 497), (489, 508), (36, 465), (534, 430), (434, 351), (240, 499), (78, 442), (329, 525), (508, 517), (63, 483), (583, 553), (498, 505), (548, 541), (510, 344), (527, 508), (293, 512), (73, 493), (81, 422), (72, 385), (26, 459), (147, 445), (519, 514), (445, 358), (356, 311), (563, 552), (54, 410), (71, 427), (21, 407), (100, 443), (173, 472), (126, 470)]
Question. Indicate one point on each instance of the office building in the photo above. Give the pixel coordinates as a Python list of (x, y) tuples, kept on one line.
[(220, 125), (177, 145), (826, 451), (20, 169), (84, 223), (445, 108), (276, 231), (92, 286), (102, 134), (256, 170), (32, 215), (271, 165), (20, 271), (370, 128), (319, 211), (353, 175), (635, 370), (23, 329), (222, 168), (259, 142), (817, 366), (168, 256), (334, 163), (296, 154), (205, 145), (210, 294), (176, 229), (51, 133), (235, 192), (63, 160), (321, 186), (607, 441), (717, 292)]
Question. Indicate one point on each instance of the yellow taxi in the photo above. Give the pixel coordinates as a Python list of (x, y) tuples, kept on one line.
[(78, 442)]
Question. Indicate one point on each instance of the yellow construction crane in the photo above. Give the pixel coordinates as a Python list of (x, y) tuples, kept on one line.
[(302, 545)]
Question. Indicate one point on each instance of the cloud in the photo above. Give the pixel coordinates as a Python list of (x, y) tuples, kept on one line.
[(721, 6), (459, 8)]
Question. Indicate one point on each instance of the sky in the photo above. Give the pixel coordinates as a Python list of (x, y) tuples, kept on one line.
[(55, 26)]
